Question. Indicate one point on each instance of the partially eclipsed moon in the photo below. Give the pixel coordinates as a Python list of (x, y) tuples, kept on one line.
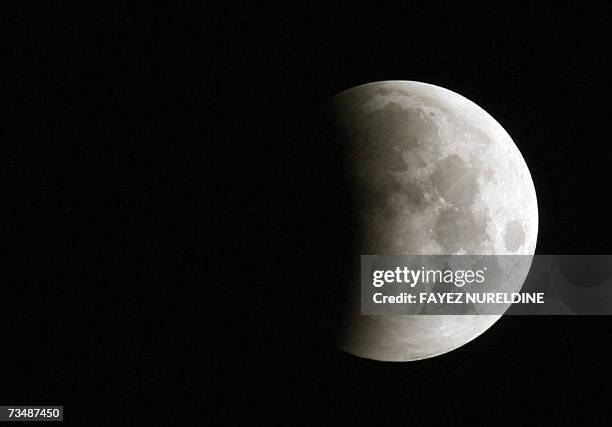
[(432, 173)]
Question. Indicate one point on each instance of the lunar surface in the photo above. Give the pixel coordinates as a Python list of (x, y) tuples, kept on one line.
[(431, 173)]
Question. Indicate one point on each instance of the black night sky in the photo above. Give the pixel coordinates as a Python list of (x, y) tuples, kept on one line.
[(178, 218)]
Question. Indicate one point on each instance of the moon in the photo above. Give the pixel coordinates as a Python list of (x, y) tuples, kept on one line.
[(431, 173)]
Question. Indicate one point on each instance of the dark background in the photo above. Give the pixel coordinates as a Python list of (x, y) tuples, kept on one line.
[(176, 219)]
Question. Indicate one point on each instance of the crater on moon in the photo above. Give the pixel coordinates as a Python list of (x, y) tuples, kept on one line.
[(455, 180), (514, 236)]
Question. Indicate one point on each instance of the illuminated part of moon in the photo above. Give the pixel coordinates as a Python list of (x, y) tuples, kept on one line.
[(432, 174)]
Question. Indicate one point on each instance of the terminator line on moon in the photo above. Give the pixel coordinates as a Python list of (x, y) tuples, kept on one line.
[(431, 173)]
